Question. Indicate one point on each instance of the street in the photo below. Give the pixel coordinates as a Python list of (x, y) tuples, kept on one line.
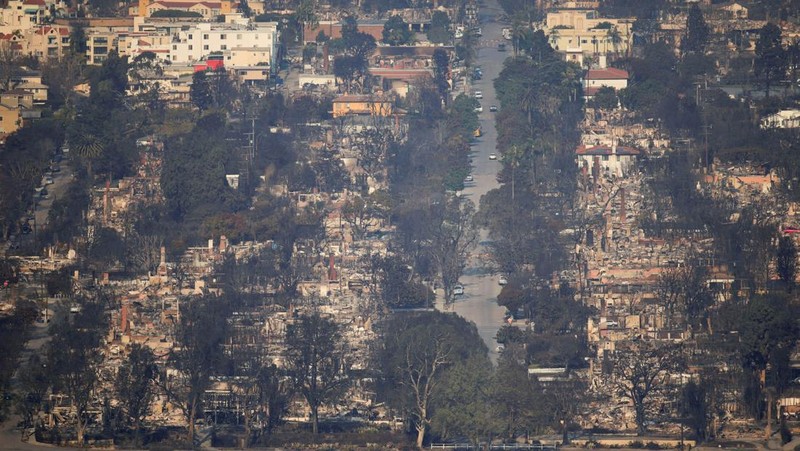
[(479, 301)]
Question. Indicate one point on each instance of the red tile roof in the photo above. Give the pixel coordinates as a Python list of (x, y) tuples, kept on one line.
[(609, 73), (34, 2)]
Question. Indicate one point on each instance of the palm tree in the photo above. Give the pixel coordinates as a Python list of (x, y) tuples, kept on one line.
[(88, 147), (614, 37), (306, 15), (554, 38)]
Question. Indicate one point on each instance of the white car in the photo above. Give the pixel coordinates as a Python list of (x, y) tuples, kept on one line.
[(492, 156), (458, 290), (479, 109), (502, 281), (478, 95), (469, 178)]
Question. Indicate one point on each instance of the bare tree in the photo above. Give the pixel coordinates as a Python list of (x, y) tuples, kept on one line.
[(424, 362), (197, 354), (315, 362), (643, 369), (9, 65), (135, 386), (685, 288), (453, 239), (356, 213), (144, 252)]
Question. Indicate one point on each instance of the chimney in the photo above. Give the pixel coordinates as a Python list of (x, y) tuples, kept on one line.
[(106, 202), (123, 322), (223, 244), (332, 275), (211, 245)]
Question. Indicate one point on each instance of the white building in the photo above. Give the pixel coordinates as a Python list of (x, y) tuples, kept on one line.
[(597, 78), (252, 44), (782, 119)]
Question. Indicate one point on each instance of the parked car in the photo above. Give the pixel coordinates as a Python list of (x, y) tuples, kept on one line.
[(478, 95), (492, 156), (458, 290), (55, 168), (48, 180), (479, 109), (469, 178), (502, 281), (493, 108)]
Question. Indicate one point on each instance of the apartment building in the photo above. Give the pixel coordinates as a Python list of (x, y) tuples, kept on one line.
[(580, 30), (253, 44)]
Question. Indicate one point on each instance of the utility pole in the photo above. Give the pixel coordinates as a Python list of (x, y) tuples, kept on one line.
[(706, 132)]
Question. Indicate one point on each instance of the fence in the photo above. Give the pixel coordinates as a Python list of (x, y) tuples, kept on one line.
[(470, 446)]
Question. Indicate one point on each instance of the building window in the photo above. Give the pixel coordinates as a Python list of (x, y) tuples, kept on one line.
[(190, 47), (223, 47), (190, 36), (205, 47), (205, 36), (174, 47), (239, 37)]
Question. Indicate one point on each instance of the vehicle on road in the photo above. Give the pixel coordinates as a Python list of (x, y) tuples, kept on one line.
[(469, 178), (492, 156), (48, 180), (478, 95), (493, 108), (501, 47), (458, 290), (479, 109), (502, 281), (477, 133)]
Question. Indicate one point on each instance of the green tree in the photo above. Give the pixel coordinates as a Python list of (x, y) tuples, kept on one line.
[(771, 60), (605, 99), (315, 359), (441, 71), (516, 396), (200, 91), (417, 351), (396, 32), (697, 32), (787, 260), (306, 15), (439, 30), (465, 403)]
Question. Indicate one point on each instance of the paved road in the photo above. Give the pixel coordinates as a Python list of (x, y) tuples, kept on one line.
[(479, 302)]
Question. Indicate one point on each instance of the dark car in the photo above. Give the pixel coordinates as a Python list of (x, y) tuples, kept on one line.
[(55, 168)]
